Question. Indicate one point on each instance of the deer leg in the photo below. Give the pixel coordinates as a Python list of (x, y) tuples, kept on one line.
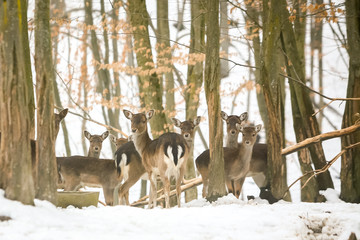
[(178, 190), (238, 186), (230, 186), (166, 183), (108, 194), (124, 189), (153, 190)]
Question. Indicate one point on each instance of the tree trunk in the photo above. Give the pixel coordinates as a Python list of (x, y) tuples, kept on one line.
[(149, 82), (57, 11), (15, 126), (212, 92), (164, 57), (194, 82), (272, 95), (350, 162), (225, 40), (302, 96), (46, 187)]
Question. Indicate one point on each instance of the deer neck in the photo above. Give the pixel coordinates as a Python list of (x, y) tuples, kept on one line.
[(231, 141), (141, 141), (245, 153)]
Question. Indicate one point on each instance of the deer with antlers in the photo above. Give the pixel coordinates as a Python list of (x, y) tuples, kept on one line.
[(165, 156)]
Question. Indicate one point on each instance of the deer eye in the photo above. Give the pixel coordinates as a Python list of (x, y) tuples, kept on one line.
[(253, 134)]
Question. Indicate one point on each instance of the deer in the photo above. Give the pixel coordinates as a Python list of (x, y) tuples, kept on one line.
[(76, 171), (128, 165), (187, 128), (95, 143), (165, 156), (236, 161), (258, 165)]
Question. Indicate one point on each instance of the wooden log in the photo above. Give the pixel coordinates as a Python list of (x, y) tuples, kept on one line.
[(190, 183)]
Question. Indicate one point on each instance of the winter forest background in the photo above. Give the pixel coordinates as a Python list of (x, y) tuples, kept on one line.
[(292, 65)]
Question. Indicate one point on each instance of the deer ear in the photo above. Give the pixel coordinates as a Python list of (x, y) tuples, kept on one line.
[(258, 128), (197, 121), (105, 135), (150, 114), (239, 127), (112, 138), (243, 116), (176, 122), (87, 134), (128, 114), (63, 113), (224, 116)]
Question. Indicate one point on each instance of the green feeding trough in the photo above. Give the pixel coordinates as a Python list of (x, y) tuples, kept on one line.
[(77, 199)]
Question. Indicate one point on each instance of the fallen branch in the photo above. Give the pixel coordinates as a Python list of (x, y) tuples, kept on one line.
[(193, 183), (322, 170), (321, 137)]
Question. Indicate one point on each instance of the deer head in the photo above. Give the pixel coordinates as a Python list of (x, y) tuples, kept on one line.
[(95, 143)]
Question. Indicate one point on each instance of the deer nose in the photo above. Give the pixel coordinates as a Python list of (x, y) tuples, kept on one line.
[(187, 135), (96, 148), (133, 130), (247, 142), (233, 131)]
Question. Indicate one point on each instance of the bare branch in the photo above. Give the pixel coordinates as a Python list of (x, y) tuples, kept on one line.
[(321, 137)]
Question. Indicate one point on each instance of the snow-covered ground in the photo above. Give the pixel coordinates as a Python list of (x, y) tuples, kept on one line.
[(228, 218)]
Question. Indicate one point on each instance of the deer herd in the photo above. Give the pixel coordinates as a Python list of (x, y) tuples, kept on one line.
[(164, 158)]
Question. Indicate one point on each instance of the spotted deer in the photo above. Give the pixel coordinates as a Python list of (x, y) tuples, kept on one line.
[(258, 165), (77, 171), (236, 161), (129, 166), (165, 156), (95, 143)]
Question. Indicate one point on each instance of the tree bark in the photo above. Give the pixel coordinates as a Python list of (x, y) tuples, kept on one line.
[(194, 81), (46, 187), (302, 96), (149, 81), (272, 95), (225, 40), (212, 92), (350, 162), (15, 126)]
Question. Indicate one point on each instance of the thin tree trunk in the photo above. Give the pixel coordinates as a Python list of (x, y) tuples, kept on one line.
[(272, 95), (149, 82), (57, 10), (224, 35), (212, 92), (46, 188), (350, 162), (194, 82), (15, 127)]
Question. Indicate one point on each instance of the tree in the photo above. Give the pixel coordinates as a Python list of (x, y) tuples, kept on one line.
[(45, 145), (149, 82), (212, 92), (194, 78), (15, 81), (302, 96), (350, 162), (271, 89)]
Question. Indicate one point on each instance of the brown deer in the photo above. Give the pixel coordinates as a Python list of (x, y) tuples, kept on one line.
[(187, 128), (95, 143), (76, 171), (165, 156), (258, 165), (129, 166), (236, 161), (58, 118)]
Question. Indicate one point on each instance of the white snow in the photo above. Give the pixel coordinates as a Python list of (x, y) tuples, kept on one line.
[(228, 218)]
